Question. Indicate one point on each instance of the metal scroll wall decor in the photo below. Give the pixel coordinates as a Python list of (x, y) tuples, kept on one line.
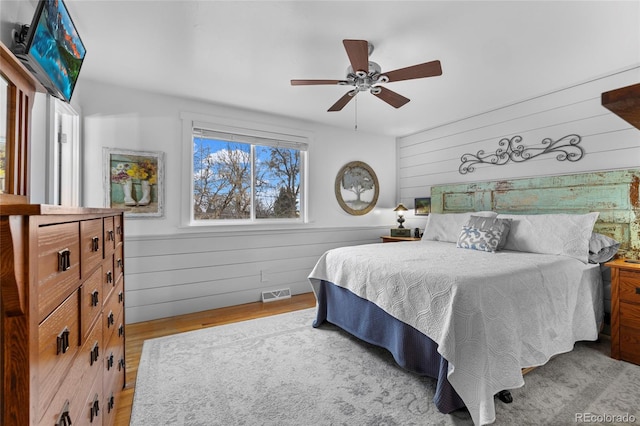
[(512, 150)]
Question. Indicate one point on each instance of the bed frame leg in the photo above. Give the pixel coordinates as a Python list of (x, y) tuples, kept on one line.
[(505, 396)]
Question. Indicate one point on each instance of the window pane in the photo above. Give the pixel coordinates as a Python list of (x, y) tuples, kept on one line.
[(221, 179), (277, 182)]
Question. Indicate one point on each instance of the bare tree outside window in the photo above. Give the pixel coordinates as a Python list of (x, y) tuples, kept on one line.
[(278, 185), (222, 185), (222, 180)]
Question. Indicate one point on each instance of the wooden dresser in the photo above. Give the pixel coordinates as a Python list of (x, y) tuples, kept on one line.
[(625, 310), (62, 314)]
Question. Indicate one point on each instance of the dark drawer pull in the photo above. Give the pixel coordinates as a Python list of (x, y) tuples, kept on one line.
[(95, 408), (95, 352), (121, 330), (120, 264), (111, 402), (120, 297), (637, 290), (95, 244), (64, 419), (63, 341), (64, 260), (110, 236), (110, 319), (110, 277), (110, 362), (119, 230), (95, 298), (121, 364)]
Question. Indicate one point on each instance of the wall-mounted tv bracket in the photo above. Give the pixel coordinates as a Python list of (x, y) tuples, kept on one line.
[(19, 40)]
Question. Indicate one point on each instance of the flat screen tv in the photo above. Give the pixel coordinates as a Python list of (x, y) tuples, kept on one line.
[(52, 49)]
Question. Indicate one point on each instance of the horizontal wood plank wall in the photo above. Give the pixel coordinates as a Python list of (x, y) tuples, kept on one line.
[(184, 273), (432, 157)]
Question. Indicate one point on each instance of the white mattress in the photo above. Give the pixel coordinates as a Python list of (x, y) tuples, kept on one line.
[(490, 313)]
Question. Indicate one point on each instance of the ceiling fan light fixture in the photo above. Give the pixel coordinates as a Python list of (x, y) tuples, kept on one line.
[(361, 74), (359, 52)]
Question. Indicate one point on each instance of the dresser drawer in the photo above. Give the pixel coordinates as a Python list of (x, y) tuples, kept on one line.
[(118, 226), (86, 365), (630, 344), (109, 236), (91, 300), (92, 409), (108, 277), (114, 365), (91, 245), (118, 262), (630, 315), (58, 343), (630, 286), (111, 403), (112, 311), (58, 265)]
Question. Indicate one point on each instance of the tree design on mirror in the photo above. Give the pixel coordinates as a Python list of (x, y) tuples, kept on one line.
[(356, 188)]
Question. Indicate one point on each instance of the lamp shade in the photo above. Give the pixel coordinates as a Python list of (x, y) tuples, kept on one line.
[(400, 208)]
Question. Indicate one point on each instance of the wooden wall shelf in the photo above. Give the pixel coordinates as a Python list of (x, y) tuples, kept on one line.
[(625, 103)]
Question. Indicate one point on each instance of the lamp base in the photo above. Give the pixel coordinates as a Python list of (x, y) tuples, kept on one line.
[(400, 232)]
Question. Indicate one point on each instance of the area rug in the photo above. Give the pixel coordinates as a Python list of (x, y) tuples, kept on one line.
[(281, 371)]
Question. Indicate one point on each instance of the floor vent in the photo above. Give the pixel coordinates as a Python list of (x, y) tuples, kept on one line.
[(273, 295)]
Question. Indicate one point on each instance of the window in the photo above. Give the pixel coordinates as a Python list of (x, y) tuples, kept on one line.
[(66, 156), (243, 176)]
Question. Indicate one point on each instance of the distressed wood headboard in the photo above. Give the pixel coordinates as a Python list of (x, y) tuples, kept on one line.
[(615, 194)]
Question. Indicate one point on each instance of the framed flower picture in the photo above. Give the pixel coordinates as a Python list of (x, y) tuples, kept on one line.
[(134, 182)]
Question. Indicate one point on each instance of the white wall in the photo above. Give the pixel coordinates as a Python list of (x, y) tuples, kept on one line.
[(172, 270), (433, 156), (122, 118)]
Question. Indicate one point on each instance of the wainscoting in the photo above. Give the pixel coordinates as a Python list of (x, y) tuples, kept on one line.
[(172, 275), (433, 157)]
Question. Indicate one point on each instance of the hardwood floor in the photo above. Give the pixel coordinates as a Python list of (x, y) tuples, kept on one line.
[(137, 333)]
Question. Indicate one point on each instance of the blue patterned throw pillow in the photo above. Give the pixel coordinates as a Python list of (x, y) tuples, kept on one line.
[(477, 239), (487, 223)]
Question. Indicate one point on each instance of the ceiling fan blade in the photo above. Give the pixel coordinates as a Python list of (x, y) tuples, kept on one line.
[(358, 53), (392, 98), (316, 82), (428, 69), (342, 101)]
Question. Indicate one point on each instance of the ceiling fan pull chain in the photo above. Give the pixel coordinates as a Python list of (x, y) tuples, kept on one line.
[(356, 119)]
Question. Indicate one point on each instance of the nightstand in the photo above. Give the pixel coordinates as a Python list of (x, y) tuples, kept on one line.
[(389, 239), (625, 310)]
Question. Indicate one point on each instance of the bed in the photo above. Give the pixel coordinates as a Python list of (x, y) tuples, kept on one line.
[(474, 318)]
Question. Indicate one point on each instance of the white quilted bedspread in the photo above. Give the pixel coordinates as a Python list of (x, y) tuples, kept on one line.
[(490, 313)]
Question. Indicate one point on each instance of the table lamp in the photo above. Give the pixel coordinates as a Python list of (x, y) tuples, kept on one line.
[(400, 209)]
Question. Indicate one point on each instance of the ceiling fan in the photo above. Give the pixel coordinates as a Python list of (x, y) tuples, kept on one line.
[(364, 74)]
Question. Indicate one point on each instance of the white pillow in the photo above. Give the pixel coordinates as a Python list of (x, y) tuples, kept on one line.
[(563, 234), (447, 226), (602, 248)]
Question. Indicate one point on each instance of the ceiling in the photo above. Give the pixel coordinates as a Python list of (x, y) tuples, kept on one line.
[(244, 53)]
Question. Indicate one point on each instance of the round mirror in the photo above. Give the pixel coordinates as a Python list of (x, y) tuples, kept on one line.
[(357, 188)]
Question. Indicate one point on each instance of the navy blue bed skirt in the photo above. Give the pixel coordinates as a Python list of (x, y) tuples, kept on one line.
[(411, 349)]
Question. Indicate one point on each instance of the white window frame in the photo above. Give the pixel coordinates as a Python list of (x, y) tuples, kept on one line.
[(246, 132), (63, 154)]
